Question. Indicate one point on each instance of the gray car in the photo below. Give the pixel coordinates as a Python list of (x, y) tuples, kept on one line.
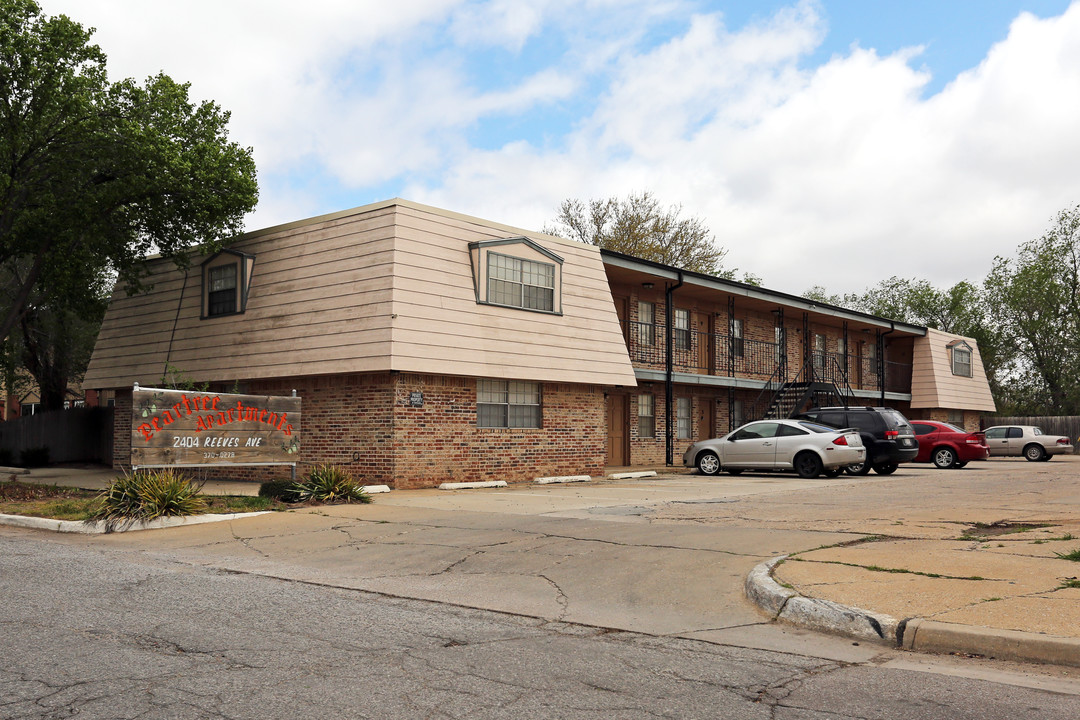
[(1027, 440), (806, 447)]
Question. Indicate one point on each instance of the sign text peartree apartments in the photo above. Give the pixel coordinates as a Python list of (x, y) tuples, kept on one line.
[(180, 427)]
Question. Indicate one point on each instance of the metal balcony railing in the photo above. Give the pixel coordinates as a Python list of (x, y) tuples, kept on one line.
[(722, 355)]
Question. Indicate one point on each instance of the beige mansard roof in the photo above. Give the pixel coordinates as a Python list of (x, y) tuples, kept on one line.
[(388, 286), (934, 385)]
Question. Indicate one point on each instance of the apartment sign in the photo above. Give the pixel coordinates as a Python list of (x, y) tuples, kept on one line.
[(185, 428)]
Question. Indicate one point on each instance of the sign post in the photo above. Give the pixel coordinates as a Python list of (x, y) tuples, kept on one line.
[(181, 428)]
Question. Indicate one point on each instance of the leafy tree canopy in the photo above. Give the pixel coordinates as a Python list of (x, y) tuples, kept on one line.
[(95, 175), (639, 226), (1036, 303)]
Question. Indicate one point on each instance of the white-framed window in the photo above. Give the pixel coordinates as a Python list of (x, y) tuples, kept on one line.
[(517, 282), (682, 329), (956, 417), (682, 418), (646, 416), (737, 343), (646, 328), (508, 404), (961, 359)]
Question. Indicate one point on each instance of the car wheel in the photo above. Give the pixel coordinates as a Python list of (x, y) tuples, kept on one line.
[(1047, 457), (832, 472), (1034, 452), (960, 464), (858, 469), (944, 458), (885, 468), (708, 463), (808, 465), (734, 472)]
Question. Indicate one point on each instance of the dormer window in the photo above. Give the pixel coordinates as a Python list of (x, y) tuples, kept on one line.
[(961, 358), (225, 281), (521, 283), (221, 297), (517, 273)]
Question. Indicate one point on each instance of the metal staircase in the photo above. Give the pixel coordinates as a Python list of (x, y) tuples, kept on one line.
[(817, 384)]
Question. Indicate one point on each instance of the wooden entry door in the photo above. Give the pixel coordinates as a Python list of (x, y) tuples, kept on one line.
[(707, 419), (618, 442)]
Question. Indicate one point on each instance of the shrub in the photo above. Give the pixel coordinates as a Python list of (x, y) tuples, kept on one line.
[(283, 490), (146, 495), (330, 484), (34, 457)]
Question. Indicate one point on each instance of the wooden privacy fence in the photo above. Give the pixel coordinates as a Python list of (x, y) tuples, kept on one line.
[(76, 435), (1068, 425)]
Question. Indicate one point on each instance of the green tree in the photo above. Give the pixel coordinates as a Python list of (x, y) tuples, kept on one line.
[(639, 226), (95, 175), (1036, 299), (961, 309)]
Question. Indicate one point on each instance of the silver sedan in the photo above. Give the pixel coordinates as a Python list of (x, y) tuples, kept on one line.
[(802, 446), (1026, 440)]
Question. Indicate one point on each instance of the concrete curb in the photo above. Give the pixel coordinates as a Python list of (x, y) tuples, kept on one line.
[(562, 479), (14, 471), (374, 489), (918, 634), (76, 526), (940, 637), (633, 475), (789, 606), (471, 485)]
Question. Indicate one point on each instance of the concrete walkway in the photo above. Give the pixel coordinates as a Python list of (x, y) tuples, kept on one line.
[(969, 561)]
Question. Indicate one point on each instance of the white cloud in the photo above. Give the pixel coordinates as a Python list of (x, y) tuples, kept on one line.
[(840, 174)]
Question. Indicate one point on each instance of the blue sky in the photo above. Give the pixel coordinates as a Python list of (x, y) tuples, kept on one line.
[(824, 142)]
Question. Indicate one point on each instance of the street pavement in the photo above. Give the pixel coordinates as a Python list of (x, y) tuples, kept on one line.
[(964, 561)]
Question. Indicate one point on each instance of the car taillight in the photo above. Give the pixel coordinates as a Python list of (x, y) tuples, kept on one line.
[(842, 440), (1063, 441), (892, 433), (972, 440)]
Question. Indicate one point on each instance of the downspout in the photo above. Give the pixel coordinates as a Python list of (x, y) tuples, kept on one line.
[(669, 313), (881, 356)]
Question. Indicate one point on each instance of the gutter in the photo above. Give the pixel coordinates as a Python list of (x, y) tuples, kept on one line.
[(669, 312), (881, 357)]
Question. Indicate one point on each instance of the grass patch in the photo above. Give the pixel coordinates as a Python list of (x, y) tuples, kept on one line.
[(1070, 583), (64, 503), (1073, 555), (899, 571)]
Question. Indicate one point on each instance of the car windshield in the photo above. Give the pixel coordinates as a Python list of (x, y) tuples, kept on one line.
[(814, 427)]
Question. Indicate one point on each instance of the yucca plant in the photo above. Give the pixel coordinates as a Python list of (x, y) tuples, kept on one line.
[(146, 495), (330, 484)]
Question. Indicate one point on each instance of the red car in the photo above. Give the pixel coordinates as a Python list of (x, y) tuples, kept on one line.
[(947, 446)]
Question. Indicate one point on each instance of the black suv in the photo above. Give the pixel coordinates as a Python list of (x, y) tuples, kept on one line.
[(886, 433)]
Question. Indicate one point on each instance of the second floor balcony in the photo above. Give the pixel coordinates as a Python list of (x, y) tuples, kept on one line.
[(722, 355)]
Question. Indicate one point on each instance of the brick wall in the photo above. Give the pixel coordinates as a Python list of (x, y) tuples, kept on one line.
[(369, 424), (440, 442), (122, 429)]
